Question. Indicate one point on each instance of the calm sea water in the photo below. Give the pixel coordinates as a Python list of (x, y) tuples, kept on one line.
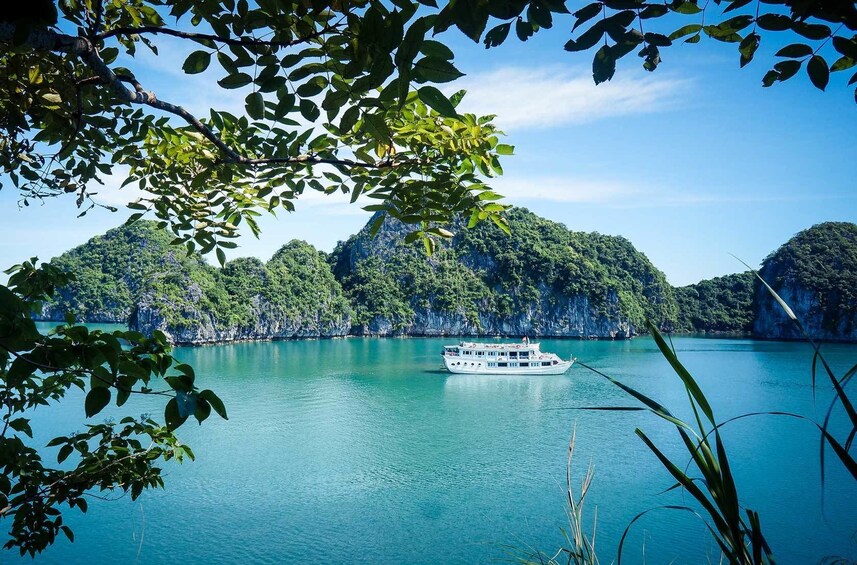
[(364, 451)]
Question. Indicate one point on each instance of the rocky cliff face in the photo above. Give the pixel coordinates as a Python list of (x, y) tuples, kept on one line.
[(541, 281), (201, 326), (815, 273), (574, 317)]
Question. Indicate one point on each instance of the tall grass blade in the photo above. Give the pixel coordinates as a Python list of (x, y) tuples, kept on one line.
[(686, 482), (655, 407), (682, 373), (730, 503)]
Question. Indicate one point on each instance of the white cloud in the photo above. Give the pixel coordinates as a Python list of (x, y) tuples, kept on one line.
[(550, 96)]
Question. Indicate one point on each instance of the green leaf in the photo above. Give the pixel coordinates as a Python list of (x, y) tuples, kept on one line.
[(603, 65), (196, 62), (497, 35), (687, 8), (586, 13), (65, 451), (735, 4), (309, 110), (172, 417), (435, 99), (436, 50), (795, 51), (653, 11), (236, 80), (312, 87), (186, 403), (215, 402), (770, 78), (818, 72), (255, 105), (685, 30), (203, 410), (410, 46), (96, 400), (539, 15), (430, 69), (349, 119), (847, 47), (503, 149), (377, 128), (657, 39), (524, 30), (811, 31), (842, 64), (748, 47), (774, 22), (683, 374), (787, 69)]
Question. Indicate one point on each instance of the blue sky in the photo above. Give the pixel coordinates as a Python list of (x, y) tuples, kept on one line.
[(691, 163)]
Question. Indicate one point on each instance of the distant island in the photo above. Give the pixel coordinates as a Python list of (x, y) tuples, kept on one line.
[(543, 280)]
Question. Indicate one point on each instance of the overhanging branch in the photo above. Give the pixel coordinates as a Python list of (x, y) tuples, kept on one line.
[(49, 40), (236, 41)]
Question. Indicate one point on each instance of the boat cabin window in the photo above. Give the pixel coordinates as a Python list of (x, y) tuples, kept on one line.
[(502, 364), (525, 354), (513, 354), (480, 353), (466, 352), (492, 354), (525, 364), (513, 364), (546, 363), (492, 364)]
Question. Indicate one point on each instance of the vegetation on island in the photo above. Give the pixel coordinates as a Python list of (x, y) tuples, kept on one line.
[(294, 289), (483, 273), (816, 272), (721, 304), (479, 276), (111, 270)]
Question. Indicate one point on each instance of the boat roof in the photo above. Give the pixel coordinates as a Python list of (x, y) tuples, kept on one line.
[(474, 345)]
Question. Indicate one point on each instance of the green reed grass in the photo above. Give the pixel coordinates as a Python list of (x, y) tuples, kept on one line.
[(707, 476)]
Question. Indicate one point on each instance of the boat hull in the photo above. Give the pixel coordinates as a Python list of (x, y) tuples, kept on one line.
[(459, 366)]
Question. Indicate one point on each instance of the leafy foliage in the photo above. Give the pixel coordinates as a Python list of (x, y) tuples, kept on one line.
[(721, 304), (39, 369), (329, 107), (620, 27)]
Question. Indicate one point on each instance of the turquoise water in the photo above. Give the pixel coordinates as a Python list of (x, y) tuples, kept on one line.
[(363, 450)]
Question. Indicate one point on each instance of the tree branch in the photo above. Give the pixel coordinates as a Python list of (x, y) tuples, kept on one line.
[(314, 160), (48, 40), (236, 41)]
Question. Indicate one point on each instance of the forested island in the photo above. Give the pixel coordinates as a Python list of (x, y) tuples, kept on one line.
[(542, 280)]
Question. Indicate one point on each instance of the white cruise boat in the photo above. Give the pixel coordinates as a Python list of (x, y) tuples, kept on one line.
[(502, 359)]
